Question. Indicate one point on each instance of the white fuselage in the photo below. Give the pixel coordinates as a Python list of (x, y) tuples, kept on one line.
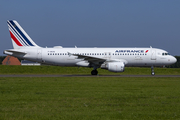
[(130, 56)]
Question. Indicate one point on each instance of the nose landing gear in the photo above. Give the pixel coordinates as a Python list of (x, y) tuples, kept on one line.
[(152, 71)]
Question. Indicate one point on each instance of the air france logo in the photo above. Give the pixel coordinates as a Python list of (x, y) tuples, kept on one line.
[(131, 51)]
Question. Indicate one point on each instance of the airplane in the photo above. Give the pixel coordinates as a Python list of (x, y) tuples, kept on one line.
[(112, 59)]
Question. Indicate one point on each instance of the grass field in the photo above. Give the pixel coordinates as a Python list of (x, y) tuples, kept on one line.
[(74, 98), (4, 69), (88, 98)]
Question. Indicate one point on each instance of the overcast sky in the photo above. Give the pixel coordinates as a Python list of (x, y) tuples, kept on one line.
[(95, 23)]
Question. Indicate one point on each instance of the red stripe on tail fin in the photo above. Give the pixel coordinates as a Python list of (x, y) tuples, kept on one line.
[(15, 40)]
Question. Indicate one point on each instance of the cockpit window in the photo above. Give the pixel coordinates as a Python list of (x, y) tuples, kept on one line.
[(165, 54)]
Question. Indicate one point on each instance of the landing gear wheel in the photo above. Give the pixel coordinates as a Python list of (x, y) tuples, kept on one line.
[(94, 72), (152, 73)]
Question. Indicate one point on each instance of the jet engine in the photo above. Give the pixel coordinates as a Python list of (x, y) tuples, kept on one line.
[(114, 66)]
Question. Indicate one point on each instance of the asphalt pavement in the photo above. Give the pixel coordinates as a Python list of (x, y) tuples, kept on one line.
[(42, 75)]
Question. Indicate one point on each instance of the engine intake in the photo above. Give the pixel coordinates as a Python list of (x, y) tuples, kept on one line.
[(116, 66)]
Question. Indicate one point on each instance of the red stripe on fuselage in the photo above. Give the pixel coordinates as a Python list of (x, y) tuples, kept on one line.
[(15, 40)]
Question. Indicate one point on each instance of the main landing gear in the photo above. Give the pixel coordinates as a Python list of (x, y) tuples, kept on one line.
[(94, 72), (152, 71)]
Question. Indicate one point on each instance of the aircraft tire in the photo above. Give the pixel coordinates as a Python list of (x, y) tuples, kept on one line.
[(152, 73), (94, 72)]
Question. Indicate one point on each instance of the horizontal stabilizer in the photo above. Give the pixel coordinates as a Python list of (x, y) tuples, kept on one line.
[(12, 51)]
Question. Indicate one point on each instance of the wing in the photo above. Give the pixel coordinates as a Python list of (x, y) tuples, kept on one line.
[(96, 60), (90, 59)]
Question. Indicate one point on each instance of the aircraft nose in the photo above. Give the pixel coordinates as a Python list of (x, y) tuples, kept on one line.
[(173, 60)]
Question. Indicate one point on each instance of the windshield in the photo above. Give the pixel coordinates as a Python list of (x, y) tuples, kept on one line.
[(165, 54)]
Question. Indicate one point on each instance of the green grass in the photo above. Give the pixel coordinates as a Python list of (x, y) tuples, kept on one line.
[(74, 98), (75, 70)]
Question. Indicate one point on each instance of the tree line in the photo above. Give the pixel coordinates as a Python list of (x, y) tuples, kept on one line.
[(176, 65), (2, 58)]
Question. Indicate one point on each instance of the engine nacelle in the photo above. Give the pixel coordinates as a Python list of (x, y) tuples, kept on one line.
[(116, 66), (83, 64)]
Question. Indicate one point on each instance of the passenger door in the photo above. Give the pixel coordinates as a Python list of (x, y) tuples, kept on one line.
[(153, 54)]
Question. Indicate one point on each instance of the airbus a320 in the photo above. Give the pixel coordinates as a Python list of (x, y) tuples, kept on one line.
[(112, 59)]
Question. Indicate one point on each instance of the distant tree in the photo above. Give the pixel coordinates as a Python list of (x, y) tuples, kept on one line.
[(1, 59)]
